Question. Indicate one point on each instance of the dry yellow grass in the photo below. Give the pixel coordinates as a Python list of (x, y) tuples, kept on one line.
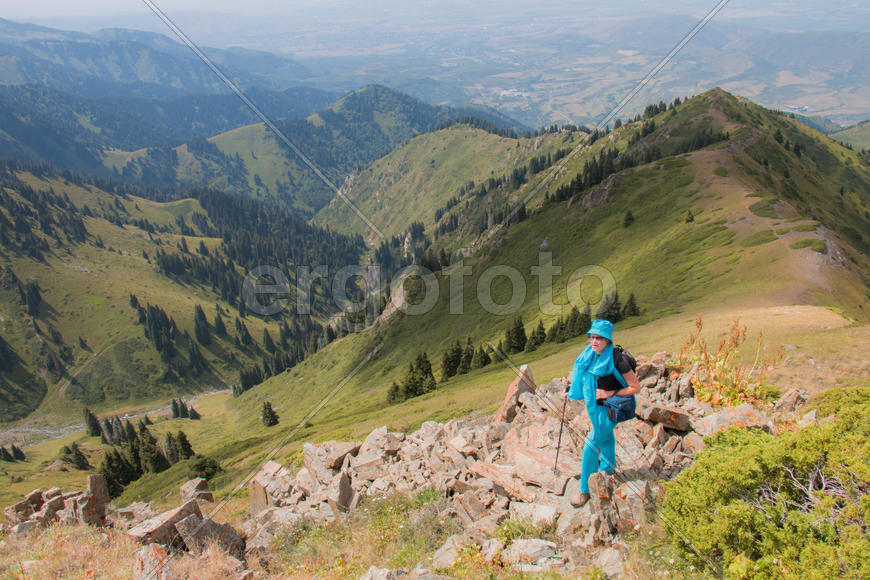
[(73, 552)]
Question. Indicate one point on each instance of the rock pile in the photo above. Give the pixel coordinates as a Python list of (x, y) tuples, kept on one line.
[(490, 469), (502, 467), (40, 508)]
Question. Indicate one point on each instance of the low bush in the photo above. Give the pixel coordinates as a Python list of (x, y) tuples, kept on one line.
[(797, 505)]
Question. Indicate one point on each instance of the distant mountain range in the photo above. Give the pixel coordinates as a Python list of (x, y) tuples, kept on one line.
[(118, 62), (216, 140)]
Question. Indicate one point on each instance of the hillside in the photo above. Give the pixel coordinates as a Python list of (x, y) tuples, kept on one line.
[(730, 219), (420, 178), (742, 254), (117, 62), (101, 291), (857, 135), (352, 132), (43, 125)]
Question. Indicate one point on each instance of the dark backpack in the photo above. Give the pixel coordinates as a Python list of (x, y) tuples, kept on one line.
[(620, 409)]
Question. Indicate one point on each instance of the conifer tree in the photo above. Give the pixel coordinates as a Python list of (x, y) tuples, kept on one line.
[(5, 455), (481, 358), (175, 411), (130, 431), (170, 449), (107, 430), (451, 359), (185, 451), (467, 356), (611, 308), (92, 424), (268, 344), (394, 394), (220, 328), (193, 413), (183, 411), (109, 470), (515, 337), (201, 328), (630, 308), (152, 459), (537, 337), (17, 454), (268, 416)]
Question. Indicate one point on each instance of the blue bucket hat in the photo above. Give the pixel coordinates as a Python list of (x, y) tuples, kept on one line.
[(603, 328)]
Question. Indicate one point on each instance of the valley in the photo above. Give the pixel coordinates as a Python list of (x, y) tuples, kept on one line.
[(179, 251)]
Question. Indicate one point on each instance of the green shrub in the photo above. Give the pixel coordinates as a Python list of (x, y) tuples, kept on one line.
[(203, 466), (763, 209), (721, 171), (832, 401), (795, 505), (815, 243), (758, 238)]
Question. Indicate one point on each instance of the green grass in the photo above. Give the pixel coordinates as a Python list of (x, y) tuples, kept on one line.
[(782, 231), (763, 208), (856, 135), (721, 172), (815, 244), (806, 228), (758, 238)]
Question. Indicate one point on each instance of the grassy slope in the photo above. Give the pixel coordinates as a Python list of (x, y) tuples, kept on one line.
[(411, 183), (813, 302), (86, 293), (856, 135)]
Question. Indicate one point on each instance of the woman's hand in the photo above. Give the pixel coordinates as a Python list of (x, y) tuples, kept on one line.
[(602, 394)]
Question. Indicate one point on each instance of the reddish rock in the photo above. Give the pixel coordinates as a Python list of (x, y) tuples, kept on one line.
[(524, 383), (693, 443), (659, 436), (271, 486), (152, 563), (541, 515), (381, 442), (197, 532), (502, 476), (790, 400), (535, 467), (196, 489), (340, 493), (336, 452), (18, 513), (161, 528), (35, 499), (744, 416), (630, 500), (670, 417)]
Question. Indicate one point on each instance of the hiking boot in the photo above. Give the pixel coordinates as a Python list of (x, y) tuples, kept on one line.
[(580, 499)]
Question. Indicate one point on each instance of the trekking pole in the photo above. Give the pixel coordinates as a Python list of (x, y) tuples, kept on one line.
[(559, 444)]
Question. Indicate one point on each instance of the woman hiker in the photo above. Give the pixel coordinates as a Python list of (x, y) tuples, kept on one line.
[(595, 376)]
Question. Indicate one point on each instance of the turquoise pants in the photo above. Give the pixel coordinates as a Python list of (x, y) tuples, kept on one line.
[(599, 444)]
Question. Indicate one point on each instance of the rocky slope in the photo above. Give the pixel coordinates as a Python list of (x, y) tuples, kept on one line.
[(488, 469)]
